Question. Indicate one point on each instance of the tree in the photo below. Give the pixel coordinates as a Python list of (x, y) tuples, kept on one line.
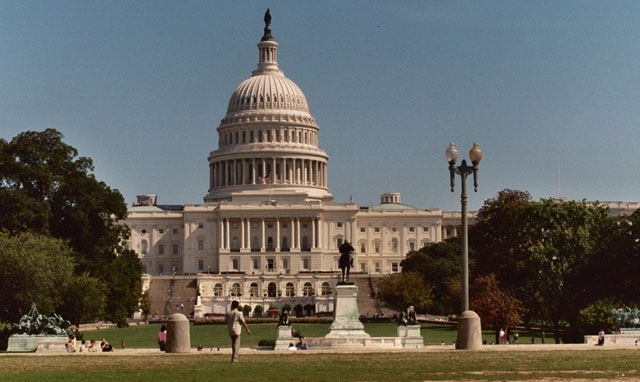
[(46, 188), (33, 269), (439, 264), (84, 299), (495, 307), (258, 311), (145, 305), (401, 290)]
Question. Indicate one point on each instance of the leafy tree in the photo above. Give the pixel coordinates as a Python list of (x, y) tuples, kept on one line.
[(246, 310), (401, 290), (33, 269), (439, 264), (258, 311), (84, 299), (46, 188), (145, 305), (597, 315), (496, 308)]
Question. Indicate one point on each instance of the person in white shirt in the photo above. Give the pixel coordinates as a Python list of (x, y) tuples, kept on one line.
[(235, 322)]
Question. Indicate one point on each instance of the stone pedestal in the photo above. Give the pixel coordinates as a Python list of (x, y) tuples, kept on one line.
[(469, 331), (25, 342), (178, 335), (346, 319), (410, 336), (284, 338)]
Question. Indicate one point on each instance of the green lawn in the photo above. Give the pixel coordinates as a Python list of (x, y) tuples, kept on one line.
[(216, 335), (398, 366)]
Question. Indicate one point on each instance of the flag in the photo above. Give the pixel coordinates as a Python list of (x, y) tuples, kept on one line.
[(350, 199)]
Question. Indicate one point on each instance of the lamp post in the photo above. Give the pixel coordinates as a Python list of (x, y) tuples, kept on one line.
[(469, 331)]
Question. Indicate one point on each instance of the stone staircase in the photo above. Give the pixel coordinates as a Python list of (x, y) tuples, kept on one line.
[(367, 304), (169, 295)]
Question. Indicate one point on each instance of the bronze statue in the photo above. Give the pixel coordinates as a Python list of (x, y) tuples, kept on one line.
[(346, 260), (284, 318), (267, 18)]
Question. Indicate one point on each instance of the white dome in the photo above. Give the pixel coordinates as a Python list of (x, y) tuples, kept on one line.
[(268, 91)]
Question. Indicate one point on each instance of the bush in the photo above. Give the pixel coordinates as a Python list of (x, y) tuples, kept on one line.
[(271, 343), (246, 310), (258, 310)]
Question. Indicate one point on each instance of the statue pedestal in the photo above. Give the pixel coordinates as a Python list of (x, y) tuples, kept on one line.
[(24, 342), (284, 338), (410, 336), (346, 320)]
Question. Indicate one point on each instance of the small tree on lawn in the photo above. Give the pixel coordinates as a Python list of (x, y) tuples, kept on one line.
[(246, 310), (401, 290), (496, 308), (258, 310)]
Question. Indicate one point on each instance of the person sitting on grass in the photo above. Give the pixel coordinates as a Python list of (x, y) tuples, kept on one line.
[(71, 344), (301, 345), (106, 346), (92, 346), (292, 347)]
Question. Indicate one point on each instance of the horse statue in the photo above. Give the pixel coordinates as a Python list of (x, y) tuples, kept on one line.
[(346, 260)]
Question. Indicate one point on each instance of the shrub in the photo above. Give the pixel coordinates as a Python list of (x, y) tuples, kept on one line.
[(258, 310), (246, 310), (267, 343)]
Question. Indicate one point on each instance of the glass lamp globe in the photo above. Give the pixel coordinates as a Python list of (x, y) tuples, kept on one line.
[(452, 153), (475, 154)]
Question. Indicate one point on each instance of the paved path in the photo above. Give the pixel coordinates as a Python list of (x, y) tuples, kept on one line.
[(264, 351)]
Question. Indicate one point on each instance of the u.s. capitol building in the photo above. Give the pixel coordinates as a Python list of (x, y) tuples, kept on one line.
[(268, 231)]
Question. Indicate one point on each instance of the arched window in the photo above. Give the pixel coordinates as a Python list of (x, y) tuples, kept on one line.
[(271, 290), (394, 245), (290, 290), (363, 246), (254, 290), (307, 289), (235, 290), (144, 247), (326, 289), (217, 290)]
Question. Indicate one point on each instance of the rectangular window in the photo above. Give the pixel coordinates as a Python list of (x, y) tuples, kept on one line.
[(339, 242), (285, 263), (306, 263), (200, 245), (363, 267), (200, 225), (412, 229), (412, 246), (377, 229), (269, 225), (270, 264), (174, 249), (160, 269), (201, 265), (160, 249), (377, 247), (425, 229), (235, 264), (161, 231), (377, 267), (254, 225), (305, 225), (339, 225), (363, 230), (255, 261), (284, 225), (363, 248), (394, 267), (175, 230), (234, 225)]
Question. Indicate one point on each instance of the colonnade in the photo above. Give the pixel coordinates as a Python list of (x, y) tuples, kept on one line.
[(237, 233), (261, 171)]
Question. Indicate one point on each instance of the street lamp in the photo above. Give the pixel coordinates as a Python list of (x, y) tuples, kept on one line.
[(469, 331)]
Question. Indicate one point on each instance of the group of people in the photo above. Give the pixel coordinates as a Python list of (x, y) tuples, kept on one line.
[(301, 345), (91, 347)]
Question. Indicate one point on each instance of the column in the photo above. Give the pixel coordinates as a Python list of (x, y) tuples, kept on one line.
[(234, 173), (293, 234), (298, 233), (273, 169), (290, 171), (244, 173), (278, 235), (253, 171), (227, 234), (242, 238), (313, 233), (221, 237), (304, 171), (262, 247), (320, 226), (264, 168), (249, 233)]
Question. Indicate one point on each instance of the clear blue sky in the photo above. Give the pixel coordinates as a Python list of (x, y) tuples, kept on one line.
[(140, 87)]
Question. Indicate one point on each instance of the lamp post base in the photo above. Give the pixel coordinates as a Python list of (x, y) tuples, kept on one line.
[(469, 331)]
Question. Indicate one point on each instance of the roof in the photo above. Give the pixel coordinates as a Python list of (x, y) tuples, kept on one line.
[(392, 207)]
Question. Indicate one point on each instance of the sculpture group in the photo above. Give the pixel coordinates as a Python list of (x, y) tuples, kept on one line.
[(626, 317), (34, 323)]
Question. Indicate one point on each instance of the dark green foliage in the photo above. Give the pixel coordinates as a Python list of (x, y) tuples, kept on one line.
[(270, 343), (401, 290), (83, 300), (258, 310), (33, 269), (439, 264), (46, 188), (246, 310)]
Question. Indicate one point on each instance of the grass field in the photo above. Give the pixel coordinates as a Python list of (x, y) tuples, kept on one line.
[(442, 365), (216, 335)]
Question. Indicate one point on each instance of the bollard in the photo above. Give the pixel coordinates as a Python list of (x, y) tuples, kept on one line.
[(178, 336), (469, 331)]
